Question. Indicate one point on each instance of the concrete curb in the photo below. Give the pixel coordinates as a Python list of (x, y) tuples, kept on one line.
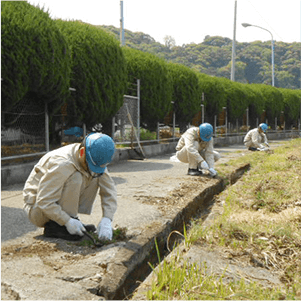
[(138, 251), (145, 250), (14, 174)]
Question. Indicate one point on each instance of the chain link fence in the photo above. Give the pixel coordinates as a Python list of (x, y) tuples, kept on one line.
[(240, 126), (126, 121), (23, 129)]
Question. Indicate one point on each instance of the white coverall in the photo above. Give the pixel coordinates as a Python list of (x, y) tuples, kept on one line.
[(59, 188), (193, 150), (254, 139)]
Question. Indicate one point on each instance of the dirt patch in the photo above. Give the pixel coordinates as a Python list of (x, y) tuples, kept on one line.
[(39, 248), (179, 196), (45, 247)]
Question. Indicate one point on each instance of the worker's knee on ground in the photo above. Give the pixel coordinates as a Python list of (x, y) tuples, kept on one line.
[(181, 144), (182, 155), (37, 217), (248, 144)]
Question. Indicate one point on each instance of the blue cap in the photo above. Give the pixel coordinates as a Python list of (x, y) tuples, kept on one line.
[(100, 149), (263, 126), (206, 131)]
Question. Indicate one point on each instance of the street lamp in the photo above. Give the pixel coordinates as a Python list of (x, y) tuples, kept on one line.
[(273, 68)]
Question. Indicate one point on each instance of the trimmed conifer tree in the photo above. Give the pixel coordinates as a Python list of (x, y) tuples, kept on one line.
[(214, 95), (185, 92), (98, 72), (273, 101), (35, 59), (292, 106), (155, 85)]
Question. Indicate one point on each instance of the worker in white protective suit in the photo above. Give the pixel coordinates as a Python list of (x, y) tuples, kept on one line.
[(256, 138), (65, 182), (195, 147)]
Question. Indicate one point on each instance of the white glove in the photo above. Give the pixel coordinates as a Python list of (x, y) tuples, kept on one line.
[(104, 229), (204, 165), (74, 226), (213, 172)]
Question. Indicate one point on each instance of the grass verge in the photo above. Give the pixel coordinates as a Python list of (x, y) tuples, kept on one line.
[(259, 225)]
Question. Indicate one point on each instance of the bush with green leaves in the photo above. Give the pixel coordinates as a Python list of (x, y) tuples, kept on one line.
[(273, 101), (98, 72), (155, 93), (214, 95), (292, 105), (35, 58), (255, 98), (147, 135), (42, 58), (185, 92), (236, 96)]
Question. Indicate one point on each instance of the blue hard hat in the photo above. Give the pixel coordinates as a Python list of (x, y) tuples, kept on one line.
[(206, 131), (263, 126), (100, 149)]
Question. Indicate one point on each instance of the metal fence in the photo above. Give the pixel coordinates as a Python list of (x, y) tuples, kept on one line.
[(241, 125), (126, 123), (24, 130), (25, 127)]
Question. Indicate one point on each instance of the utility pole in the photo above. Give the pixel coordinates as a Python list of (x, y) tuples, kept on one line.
[(233, 44), (121, 24)]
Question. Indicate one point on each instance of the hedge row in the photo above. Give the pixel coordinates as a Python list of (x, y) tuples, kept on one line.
[(155, 87), (35, 56), (98, 73), (42, 58)]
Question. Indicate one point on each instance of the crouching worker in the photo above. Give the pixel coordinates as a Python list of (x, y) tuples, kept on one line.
[(65, 182), (255, 138), (195, 147)]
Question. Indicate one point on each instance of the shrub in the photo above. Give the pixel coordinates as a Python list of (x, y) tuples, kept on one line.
[(185, 93), (98, 72), (155, 92), (35, 56)]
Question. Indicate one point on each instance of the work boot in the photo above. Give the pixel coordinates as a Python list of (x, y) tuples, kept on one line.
[(194, 172), (253, 149), (53, 229)]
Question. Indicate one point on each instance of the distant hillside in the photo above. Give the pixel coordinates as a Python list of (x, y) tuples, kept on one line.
[(213, 57)]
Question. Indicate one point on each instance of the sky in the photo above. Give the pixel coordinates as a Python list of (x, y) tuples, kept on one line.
[(188, 21)]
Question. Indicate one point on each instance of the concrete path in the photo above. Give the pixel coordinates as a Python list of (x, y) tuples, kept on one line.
[(136, 180)]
